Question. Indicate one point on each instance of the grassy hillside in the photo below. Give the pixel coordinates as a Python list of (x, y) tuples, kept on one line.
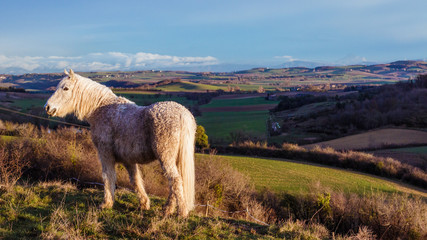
[(281, 175), (238, 101), (54, 210), (376, 139), (60, 211)]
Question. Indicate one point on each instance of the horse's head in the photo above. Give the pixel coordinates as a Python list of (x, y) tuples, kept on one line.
[(61, 102)]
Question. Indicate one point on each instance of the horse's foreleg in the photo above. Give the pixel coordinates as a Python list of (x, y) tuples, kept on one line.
[(176, 191), (109, 177), (138, 184)]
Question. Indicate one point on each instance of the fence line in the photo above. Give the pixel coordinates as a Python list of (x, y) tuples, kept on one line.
[(197, 205), (43, 118)]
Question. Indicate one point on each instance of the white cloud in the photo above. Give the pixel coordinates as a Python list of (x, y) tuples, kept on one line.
[(109, 61), (286, 58)]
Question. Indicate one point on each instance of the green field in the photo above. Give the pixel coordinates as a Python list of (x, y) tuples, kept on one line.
[(418, 150), (219, 125), (26, 104), (281, 175), (238, 102)]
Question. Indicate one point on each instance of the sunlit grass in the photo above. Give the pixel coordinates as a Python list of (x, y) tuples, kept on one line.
[(292, 177)]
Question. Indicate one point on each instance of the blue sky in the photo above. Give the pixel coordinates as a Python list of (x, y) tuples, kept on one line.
[(46, 36)]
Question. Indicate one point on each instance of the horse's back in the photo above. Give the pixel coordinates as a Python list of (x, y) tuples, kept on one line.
[(142, 133), (167, 111), (168, 121)]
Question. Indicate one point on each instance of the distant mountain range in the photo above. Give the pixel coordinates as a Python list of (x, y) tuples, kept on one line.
[(295, 73)]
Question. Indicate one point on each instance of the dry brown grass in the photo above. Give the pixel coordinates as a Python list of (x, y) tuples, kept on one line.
[(386, 216), (13, 162), (301, 230), (63, 225), (221, 186)]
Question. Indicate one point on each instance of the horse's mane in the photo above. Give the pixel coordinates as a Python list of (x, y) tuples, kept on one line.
[(90, 95)]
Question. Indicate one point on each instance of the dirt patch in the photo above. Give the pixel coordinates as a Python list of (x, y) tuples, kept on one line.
[(260, 107)]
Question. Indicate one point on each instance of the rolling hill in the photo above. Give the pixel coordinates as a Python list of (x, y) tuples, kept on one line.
[(293, 177), (278, 77)]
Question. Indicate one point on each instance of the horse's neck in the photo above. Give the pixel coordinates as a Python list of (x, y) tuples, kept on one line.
[(104, 112), (95, 97)]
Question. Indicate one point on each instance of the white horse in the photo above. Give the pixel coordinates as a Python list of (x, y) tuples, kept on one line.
[(129, 134)]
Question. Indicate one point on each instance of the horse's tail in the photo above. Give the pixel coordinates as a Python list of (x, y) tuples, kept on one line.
[(185, 161)]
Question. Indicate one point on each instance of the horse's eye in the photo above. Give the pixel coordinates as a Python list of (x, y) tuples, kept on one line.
[(65, 89)]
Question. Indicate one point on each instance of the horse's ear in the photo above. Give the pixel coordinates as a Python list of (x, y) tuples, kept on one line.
[(66, 73), (72, 75)]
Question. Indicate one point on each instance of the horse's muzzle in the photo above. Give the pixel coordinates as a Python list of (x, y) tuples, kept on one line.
[(50, 111)]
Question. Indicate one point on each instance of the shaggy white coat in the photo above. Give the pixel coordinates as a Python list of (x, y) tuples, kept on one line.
[(129, 134)]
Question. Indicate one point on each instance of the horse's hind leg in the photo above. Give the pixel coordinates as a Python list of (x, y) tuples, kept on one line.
[(138, 184), (109, 177), (176, 191)]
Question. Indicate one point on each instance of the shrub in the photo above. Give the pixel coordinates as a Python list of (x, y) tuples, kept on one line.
[(201, 138), (297, 101), (13, 161), (300, 230), (421, 81), (389, 216)]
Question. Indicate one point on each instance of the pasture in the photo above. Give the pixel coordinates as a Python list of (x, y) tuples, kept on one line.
[(219, 125), (418, 150), (25, 102), (376, 139), (239, 100), (300, 178), (240, 115)]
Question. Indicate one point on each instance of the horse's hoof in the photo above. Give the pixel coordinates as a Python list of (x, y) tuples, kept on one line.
[(106, 206), (168, 210), (145, 205), (183, 213)]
